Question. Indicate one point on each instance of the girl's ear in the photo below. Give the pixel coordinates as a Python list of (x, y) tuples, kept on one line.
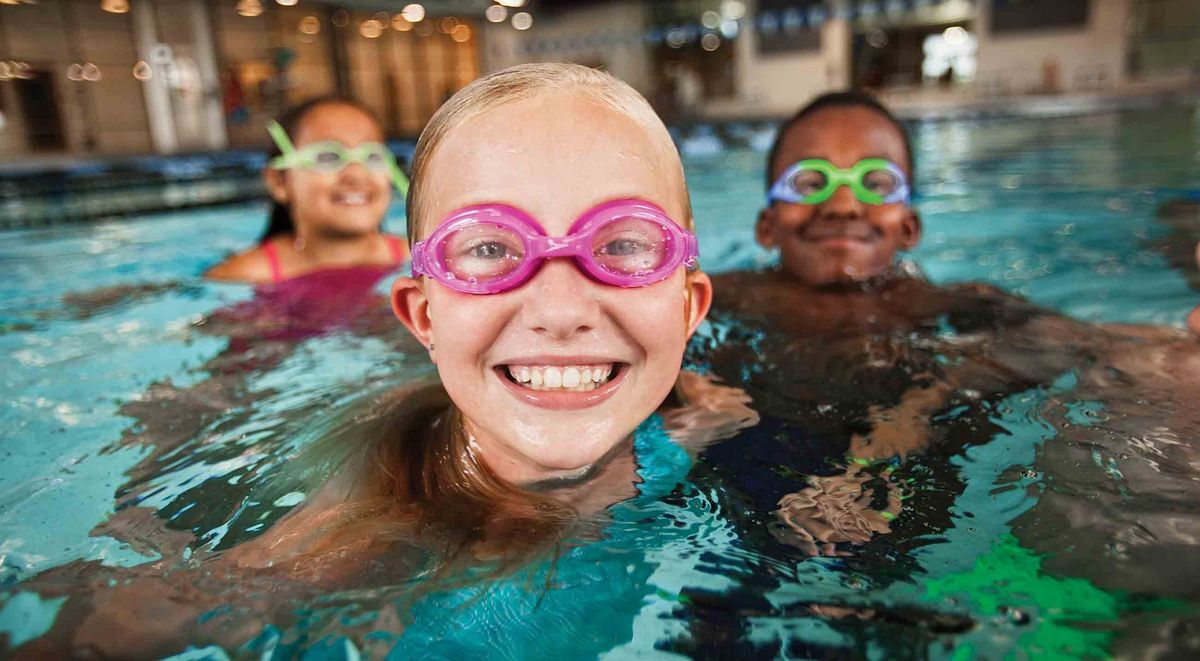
[(275, 185), (412, 309), (911, 229), (764, 229), (699, 299)]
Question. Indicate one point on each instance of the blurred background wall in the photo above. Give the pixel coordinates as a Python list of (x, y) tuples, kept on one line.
[(97, 77)]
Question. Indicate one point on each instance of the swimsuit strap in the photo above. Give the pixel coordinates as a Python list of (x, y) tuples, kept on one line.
[(396, 248), (273, 261)]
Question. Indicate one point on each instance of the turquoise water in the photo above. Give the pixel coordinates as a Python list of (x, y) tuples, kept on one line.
[(135, 430)]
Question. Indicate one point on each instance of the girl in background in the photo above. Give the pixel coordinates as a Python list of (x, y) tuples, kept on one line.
[(330, 179), (322, 256)]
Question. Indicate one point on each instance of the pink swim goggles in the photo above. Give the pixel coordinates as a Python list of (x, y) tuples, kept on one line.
[(492, 248)]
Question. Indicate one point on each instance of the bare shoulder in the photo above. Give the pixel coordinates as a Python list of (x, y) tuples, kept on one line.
[(983, 290), (979, 296), (741, 280), (752, 291), (247, 266), (1146, 332)]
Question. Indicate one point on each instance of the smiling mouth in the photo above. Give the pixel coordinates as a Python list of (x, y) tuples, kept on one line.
[(561, 378), (841, 231), (354, 199)]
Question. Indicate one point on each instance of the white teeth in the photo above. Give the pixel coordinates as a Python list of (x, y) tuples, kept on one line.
[(570, 378), (352, 198)]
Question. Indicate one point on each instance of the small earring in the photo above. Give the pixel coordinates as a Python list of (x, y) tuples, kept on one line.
[(431, 346)]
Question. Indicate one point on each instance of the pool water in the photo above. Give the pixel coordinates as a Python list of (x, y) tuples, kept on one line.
[(141, 424)]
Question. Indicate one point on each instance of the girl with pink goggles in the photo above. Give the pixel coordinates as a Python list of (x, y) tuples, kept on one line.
[(492, 248)]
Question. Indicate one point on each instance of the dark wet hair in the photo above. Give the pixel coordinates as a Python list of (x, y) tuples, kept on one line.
[(845, 99), (281, 221)]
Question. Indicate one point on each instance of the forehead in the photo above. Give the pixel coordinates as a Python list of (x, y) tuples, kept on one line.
[(554, 156), (339, 122), (842, 135)]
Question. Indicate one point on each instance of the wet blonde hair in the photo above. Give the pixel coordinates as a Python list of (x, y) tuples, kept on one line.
[(529, 81)]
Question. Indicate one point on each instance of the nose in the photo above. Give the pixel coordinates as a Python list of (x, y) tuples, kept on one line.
[(354, 172), (560, 302), (842, 204)]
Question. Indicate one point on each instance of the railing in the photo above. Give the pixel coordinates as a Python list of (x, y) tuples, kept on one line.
[(85, 190)]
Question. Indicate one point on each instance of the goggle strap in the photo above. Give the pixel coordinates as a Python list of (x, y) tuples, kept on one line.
[(280, 137), (398, 176), (691, 249), (418, 258)]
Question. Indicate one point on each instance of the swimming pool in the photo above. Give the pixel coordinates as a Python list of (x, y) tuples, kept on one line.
[(123, 393)]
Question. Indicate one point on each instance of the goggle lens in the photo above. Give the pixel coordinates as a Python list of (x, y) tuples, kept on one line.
[(375, 160), (881, 182), (327, 159), (808, 182), (630, 246), (482, 252)]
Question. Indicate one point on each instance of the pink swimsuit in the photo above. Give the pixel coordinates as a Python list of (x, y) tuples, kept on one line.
[(309, 305)]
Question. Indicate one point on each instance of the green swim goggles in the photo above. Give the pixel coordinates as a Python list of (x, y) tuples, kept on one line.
[(812, 181), (330, 156)]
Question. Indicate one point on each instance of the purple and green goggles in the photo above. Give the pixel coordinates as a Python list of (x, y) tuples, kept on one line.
[(814, 180), (492, 248)]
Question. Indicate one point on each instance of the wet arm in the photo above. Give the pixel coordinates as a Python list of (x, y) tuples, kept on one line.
[(903, 429), (104, 300), (710, 412)]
